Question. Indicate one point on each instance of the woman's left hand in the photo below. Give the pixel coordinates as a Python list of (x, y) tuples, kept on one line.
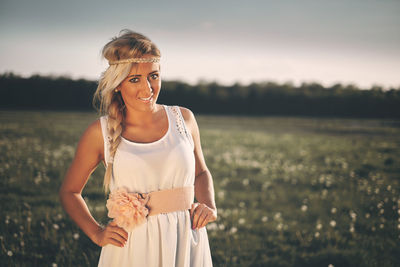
[(201, 214)]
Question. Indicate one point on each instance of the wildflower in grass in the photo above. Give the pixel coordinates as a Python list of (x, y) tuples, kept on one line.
[(7, 221), (15, 235), (224, 182), (324, 193), (233, 230), (277, 216), (55, 226), (304, 208), (245, 182), (42, 223), (398, 226), (389, 187), (212, 226), (331, 265), (28, 219), (381, 226), (221, 194), (333, 210), (9, 253), (369, 190), (351, 228), (241, 221), (279, 226), (373, 228), (367, 215), (353, 215), (265, 218), (59, 216), (1, 237), (76, 236), (221, 227), (266, 185), (54, 264), (328, 183), (332, 223), (380, 205), (316, 235), (242, 204), (377, 190), (381, 211), (319, 226)]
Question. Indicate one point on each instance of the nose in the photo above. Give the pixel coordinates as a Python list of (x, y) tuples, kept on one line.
[(148, 87)]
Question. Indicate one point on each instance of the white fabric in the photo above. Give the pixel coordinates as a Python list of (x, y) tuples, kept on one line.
[(166, 239)]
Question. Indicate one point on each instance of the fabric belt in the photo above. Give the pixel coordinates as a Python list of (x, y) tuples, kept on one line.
[(169, 200), (131, 209)]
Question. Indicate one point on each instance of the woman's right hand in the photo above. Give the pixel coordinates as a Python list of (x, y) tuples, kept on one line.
[(111, 234)]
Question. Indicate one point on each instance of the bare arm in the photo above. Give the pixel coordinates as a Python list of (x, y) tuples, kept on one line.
[(88, 155), (205, 210)]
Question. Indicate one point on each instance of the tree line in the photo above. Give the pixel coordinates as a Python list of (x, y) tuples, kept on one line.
[(263, 98)]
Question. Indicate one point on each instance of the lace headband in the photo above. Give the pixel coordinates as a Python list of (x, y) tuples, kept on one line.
[(136, 60)]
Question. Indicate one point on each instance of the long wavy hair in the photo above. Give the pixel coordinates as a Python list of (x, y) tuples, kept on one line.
[(106, 101)]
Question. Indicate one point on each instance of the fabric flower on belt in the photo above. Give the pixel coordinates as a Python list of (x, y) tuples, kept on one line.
[(128, 209)]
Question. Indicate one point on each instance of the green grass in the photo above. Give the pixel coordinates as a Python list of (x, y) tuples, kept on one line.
[(289, 191)]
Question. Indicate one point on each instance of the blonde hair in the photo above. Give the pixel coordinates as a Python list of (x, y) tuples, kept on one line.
[(127, 45)]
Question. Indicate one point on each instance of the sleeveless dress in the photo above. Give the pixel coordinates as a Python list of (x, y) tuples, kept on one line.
[(166, 239)]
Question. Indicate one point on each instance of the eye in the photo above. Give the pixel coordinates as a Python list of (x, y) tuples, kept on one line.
[(155, 76), (134, 80)]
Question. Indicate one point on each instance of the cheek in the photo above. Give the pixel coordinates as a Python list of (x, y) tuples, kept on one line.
[(128, 92), (156, 85)]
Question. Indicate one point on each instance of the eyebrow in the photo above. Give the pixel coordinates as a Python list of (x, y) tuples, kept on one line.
[(138, 75)]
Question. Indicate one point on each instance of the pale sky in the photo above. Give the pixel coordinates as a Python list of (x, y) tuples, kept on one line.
[(347, 41)]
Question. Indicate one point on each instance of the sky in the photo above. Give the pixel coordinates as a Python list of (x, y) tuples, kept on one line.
[(343, 41)]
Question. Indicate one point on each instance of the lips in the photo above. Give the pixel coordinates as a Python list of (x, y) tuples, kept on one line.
[(147, 99)]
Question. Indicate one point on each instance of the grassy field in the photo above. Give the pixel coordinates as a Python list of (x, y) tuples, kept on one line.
[(289, 191)]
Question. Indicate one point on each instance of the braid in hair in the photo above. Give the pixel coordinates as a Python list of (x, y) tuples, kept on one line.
[(115, 127)]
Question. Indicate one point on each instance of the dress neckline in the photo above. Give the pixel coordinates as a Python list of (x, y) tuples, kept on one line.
[(154, 142)]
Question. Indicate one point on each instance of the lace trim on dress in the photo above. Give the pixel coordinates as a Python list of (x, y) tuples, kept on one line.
[(180, 123)]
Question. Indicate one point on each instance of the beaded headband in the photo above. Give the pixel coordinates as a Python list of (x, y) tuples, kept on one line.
[(136, 60)]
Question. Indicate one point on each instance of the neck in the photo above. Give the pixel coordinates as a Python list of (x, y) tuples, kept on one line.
[(141, 118)]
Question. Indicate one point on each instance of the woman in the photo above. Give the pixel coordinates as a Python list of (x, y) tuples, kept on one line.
[(154, 167)]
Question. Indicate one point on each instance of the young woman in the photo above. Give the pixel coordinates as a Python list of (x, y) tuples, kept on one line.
[(154, 167)]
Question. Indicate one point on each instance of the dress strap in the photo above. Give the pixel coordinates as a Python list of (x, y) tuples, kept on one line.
[(106, 139), (181, 125)]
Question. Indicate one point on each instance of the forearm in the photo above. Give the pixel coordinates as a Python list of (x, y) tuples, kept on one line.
[(204, 189), (77, 209)]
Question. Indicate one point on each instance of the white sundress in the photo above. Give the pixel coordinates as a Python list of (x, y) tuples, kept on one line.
[(166, 239)]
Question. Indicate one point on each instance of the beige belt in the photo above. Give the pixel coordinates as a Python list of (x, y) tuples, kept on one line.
[(131, 209), (169, 200)]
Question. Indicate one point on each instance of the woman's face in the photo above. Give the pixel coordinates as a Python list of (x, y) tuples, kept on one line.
[(141, 87)]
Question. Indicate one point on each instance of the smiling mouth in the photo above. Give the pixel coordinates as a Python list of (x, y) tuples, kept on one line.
[(146, 99)]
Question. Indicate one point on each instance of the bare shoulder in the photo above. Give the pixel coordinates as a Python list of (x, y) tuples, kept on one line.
[(94, 130), (92, 138), (188, 116), (186, 113)]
